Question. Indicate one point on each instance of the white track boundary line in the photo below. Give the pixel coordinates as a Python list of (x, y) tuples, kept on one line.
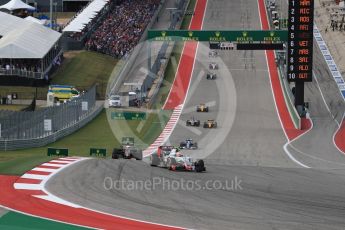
[(275, 104), (196, 54), (324, 100), (123, 217), (41, 188), (336, 132), (166, 100), (52, 198), (290, 143), (330, 112), (179, 61), (188, 88), (67, 203), (33, 176), (27, 186), (39, 169), (52, 165), (63, 162), (42, 178)]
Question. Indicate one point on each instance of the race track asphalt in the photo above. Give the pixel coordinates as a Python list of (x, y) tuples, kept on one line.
[(316, 148), (249, 130), (265, 197), (245, 150)]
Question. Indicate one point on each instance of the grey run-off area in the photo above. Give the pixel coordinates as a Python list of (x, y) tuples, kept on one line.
[(275, 192)]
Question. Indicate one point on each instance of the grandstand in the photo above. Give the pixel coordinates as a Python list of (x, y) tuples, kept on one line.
[(28, 51), (84, 22), (79, 22), (62, 5), (109, 27), (122, 29)]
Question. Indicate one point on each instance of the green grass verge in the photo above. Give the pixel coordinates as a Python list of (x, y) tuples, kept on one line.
[(24, 92), (17, 163), (170, 72), (187, 18), (169, 76), (97, 133), (12, 107), (144, 132), (84, 69), (57, 14), (81, 69), (18, 221)]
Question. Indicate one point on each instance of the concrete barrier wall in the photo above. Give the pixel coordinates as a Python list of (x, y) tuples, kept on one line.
[(39, 142), (127, 63), (288, 96), (161, 71), (289, 99)]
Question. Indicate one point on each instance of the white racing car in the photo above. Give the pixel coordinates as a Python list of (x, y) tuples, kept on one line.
[(211, 76), (213, 54), (169, 157), (127, 150), (193, 122), (213, 66)]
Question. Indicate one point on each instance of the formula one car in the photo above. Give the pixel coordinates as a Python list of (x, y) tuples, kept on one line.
[(210, 124), (213, 54), (213, 66), (169, 157), (211, 76), (127, 150), (193, 122), (188, 144), (202, 108)]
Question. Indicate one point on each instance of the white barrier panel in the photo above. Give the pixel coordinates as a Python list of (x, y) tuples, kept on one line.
[(332, 66)]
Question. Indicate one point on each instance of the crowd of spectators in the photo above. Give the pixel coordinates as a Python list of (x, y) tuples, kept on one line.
[(122, 28), (76, 15), (337, 22), (20, 64), (27, 67), (93, 22)]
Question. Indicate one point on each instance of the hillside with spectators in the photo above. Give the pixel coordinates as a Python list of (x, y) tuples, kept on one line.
[(120, 32)]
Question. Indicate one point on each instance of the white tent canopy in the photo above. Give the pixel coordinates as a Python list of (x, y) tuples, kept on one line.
[(16, 5), (82, 19), (24, 39), (32, 19)]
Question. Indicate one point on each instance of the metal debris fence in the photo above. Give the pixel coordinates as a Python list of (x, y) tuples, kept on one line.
[(26, 129)]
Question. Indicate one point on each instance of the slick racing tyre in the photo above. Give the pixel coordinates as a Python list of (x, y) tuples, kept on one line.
[(154, 160), (199, 166), (116, 154)]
